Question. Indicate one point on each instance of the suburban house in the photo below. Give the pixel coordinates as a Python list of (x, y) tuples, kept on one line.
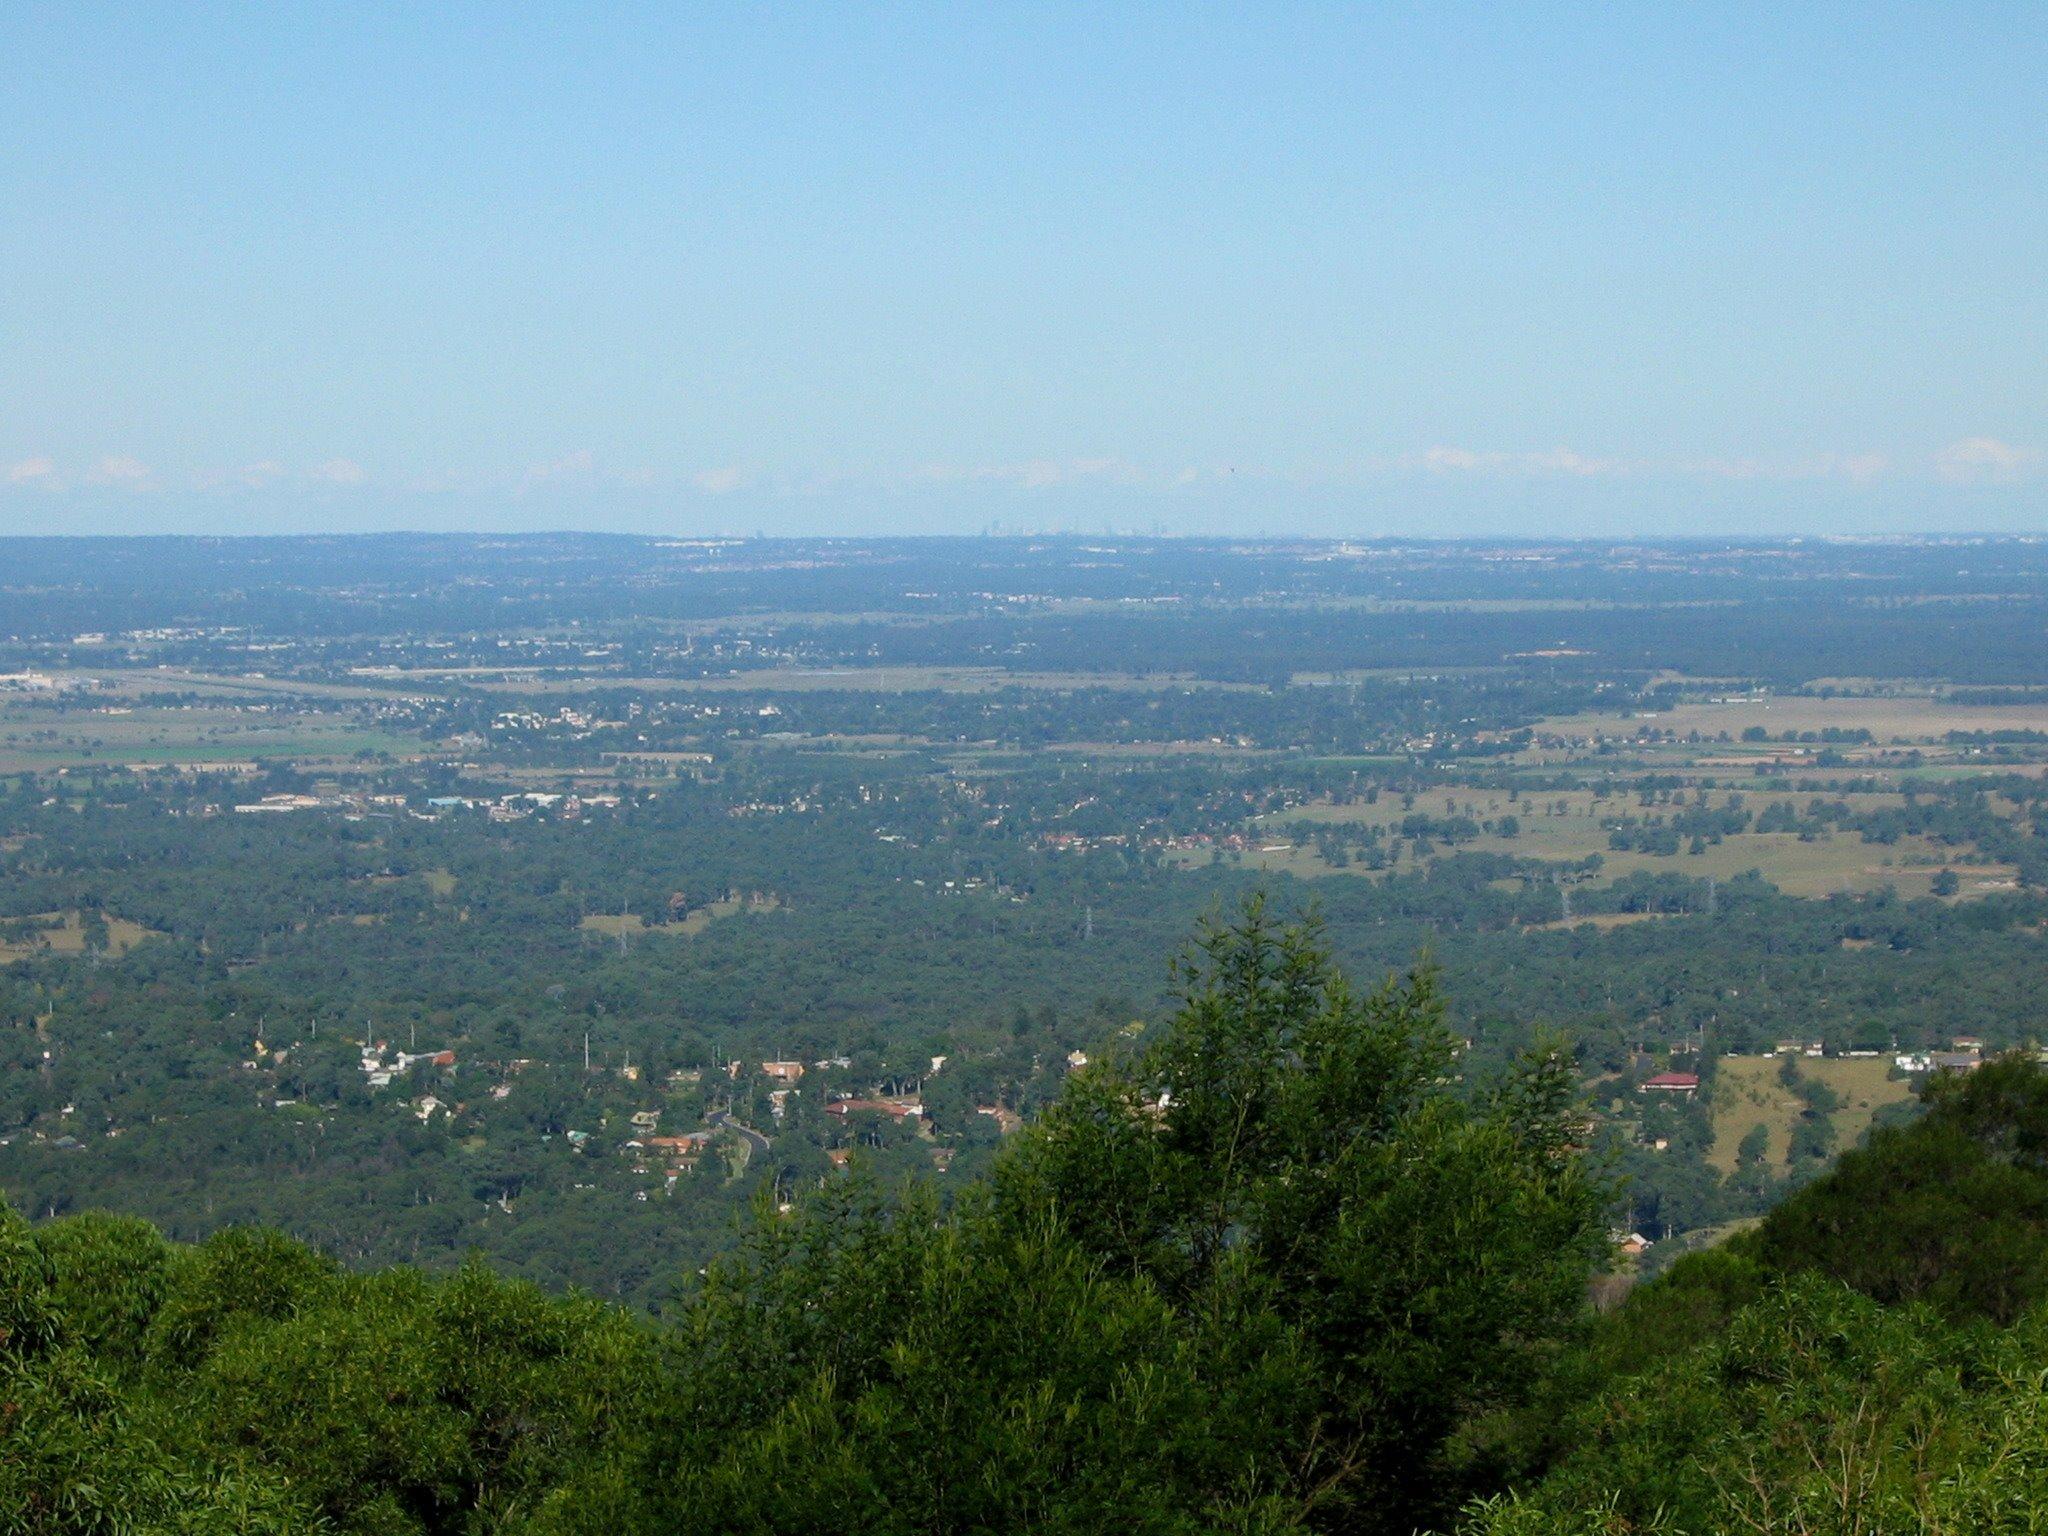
[(1686, 1083), (679, 1150), (894, 1109), (1007, 1120), (694, 1141)]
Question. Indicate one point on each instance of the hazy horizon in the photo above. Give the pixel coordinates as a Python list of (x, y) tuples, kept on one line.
[(1304, 271)]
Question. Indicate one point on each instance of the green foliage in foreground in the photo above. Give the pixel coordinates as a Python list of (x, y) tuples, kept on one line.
[(1871, 1359), (247, 1385), (1252, 1278)]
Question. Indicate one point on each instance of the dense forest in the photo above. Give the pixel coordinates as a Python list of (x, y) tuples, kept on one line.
[(1282, 1263)]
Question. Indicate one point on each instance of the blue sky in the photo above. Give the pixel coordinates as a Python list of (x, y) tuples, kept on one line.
[(817, 268)]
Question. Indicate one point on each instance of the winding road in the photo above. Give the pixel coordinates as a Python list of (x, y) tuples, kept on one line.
[(723, 1119)]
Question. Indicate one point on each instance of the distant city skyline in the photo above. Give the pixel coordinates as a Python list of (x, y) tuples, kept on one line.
[(1292, 269)]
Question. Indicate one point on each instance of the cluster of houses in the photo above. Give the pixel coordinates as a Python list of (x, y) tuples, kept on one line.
[(1966, 1054), (896, 1105), (359, 804), (681, 1153), (513, 807), (678, 1154), (517, 807), (31, 681), (378, 1070), (578, 721)]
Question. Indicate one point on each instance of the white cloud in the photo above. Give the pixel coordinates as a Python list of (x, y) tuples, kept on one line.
[(119, 470), (39, 470), (1859, 467), (570, 468), (250, 477), (265, 474), (1039, 474), (1985, 461), (1571, 464), (1856, 466), (1566, 461), (1451, 460), (338, 472), (1553, 461), (719, 482)]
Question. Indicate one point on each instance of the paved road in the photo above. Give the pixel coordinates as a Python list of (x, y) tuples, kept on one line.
[(753, 1138)]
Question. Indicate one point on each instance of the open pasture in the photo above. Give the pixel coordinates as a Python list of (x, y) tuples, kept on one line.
[(64, 933), (1748, 1093), (39, 739), (97, 684), (1891, 719), (618, 925), (1567, 826)]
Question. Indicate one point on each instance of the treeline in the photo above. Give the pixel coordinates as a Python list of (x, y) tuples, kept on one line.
[(1366, 715)]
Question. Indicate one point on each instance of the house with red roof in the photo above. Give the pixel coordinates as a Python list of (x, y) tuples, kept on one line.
[(1686, 1083)]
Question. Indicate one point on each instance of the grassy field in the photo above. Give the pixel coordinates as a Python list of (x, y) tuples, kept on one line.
[(627, 924), (1143, 749), (1823, 868), (1569, 825), (41, 739), (1915, 718), (614, 924), (882, 679), (1747, 1093), (63, 933), (1604, 921), (137, 683)]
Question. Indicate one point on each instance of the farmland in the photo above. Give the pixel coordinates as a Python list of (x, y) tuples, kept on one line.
[(1891, 718), (193, 737), (1573, 826), (67, 933), (1748, 1093)]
